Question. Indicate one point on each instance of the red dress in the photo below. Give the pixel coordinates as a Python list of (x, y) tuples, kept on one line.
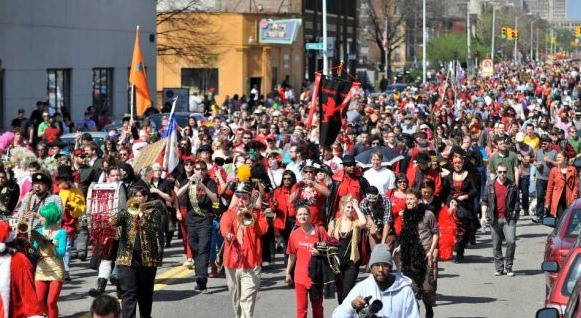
[(397, 205), (447, 225)]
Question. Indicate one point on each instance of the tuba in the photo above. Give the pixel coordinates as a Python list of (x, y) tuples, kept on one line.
[(133, 206), (245, 215)]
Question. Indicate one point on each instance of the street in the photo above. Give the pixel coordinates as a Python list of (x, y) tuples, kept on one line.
[(464, 290)]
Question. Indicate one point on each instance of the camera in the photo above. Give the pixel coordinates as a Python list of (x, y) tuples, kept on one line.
[(370, 310)]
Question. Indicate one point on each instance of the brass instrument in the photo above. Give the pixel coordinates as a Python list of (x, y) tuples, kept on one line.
[(133, 206), (22, 227), (245, 216)]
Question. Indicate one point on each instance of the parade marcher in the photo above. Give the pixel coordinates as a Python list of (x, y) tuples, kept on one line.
[(347, 230), (380, 177), (391, 288), (38, 197), (197, 193), (140, 250), (545, 160), (50, 270), (348, 181), (500, 210), (17, 288), (503, 155), (311, 192), (301, 247), (563, 186), (377, 211), (284, 211), (161, 189), (74, 207), (419, 249), (243, 249)]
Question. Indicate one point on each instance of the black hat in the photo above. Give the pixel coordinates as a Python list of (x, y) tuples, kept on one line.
[(545, 138), (422, 157), (65, 173), (348, 159), (244, 188), (41, 178), (206, 148)]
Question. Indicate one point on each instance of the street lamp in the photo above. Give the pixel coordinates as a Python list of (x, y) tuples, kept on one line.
[(493, 22), (424, 44)]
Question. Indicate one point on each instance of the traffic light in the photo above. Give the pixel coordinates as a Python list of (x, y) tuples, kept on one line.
[(514, 34), (503, 33), (578, 31), (508, 33)]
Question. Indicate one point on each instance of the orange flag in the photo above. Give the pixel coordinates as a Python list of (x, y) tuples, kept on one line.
[(138, 79)]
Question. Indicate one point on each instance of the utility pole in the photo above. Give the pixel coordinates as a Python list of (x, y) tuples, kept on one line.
[(325, 60), (468, 34), (424, 44)]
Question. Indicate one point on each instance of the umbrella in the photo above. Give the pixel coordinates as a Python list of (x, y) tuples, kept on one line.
[(390, 157)]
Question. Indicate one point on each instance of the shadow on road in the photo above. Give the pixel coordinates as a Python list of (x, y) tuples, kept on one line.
[(444, 300), (529, 272), (172, 295), (531, 235)]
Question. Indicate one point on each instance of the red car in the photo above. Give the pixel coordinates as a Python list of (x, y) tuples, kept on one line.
[(568, 276), (560, 241)]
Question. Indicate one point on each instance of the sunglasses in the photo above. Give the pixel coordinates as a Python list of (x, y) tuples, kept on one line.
[(308, 171), (82, 156), (198, 168), (501, 172), (402, 182)]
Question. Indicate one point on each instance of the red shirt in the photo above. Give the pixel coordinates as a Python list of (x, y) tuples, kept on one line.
[(247, 254), (316, 202), (281, 206), (500, 191), (300, 243)]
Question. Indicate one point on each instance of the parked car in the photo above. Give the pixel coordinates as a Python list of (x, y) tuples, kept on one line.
[(567, 278), (573, 309), (69, 139), (563, 237)]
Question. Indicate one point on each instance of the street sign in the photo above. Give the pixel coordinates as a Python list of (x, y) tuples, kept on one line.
[(314, 46)]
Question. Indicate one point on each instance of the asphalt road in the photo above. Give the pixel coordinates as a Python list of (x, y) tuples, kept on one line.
[(464, 290)]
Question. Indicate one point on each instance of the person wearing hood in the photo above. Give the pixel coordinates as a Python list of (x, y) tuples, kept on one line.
[(394, 290)]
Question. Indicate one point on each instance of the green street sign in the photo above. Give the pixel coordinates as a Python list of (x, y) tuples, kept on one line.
[(314, 46)]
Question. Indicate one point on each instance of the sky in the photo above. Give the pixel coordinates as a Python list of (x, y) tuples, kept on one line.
[(574, 9)]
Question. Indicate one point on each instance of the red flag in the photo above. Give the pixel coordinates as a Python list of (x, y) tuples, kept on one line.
[(138, 79)]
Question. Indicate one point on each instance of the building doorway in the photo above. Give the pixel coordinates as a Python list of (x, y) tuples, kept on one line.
[(256, 82)]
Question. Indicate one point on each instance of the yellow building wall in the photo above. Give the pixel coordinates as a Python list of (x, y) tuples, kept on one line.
[(238, 56)]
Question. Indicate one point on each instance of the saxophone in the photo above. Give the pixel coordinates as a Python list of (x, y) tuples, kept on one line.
[(23, 227)]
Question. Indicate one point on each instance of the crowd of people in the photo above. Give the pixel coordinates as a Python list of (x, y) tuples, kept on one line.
[(412, 176)]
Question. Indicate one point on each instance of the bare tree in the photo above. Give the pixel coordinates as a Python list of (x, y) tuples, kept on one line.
[(183, 31)]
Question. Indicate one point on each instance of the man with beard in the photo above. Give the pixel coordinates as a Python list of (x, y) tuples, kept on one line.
[(419, 249), (37, 198), (395, 291)]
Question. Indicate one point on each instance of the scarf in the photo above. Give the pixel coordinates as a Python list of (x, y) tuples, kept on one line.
[(413, 256)]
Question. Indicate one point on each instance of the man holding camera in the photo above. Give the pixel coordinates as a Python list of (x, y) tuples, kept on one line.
[(384, 293)]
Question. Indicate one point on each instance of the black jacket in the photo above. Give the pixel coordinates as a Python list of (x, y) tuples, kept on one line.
[(512, 202)]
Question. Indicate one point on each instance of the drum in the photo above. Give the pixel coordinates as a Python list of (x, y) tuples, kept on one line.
[(102, 200)]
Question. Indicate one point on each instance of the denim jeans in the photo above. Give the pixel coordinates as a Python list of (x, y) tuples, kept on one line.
[(501, 229), (541, 191), (217, 240), (67, 257)]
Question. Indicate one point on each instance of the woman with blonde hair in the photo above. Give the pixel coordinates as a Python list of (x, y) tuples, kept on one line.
[(347, 229)]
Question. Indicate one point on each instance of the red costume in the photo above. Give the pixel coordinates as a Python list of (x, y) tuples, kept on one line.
[(17, 293)]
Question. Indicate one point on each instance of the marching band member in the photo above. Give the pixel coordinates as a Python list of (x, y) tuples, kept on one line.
[(243, 226), (17, 294), (74, 203), (9, 193), (50, 270), (36, 199), (197, 192), (104, 241), (140, 250)]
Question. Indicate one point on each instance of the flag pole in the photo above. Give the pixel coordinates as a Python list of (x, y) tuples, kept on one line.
[(132, 100)]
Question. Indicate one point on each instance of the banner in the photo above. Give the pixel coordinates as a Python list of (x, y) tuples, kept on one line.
[(148, 155), (334, 97)]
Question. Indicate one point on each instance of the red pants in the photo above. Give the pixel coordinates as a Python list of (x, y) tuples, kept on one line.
[(302, 292), (48, 293), (184, 230)]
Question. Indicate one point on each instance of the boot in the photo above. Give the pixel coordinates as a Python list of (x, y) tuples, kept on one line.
[(429, 312), (214, 271), (101, 284)]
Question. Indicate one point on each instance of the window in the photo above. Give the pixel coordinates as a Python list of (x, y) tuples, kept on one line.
[(59, 88), (200, 79), (103, 90)]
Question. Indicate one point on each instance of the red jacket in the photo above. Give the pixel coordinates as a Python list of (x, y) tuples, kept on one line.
[(23, 302), (281, 206), (247, 254), (557, 184), (430, 173)]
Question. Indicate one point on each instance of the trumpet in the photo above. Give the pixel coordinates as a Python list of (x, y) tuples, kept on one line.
[(133, 206), (245, 215), (22, 227)]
